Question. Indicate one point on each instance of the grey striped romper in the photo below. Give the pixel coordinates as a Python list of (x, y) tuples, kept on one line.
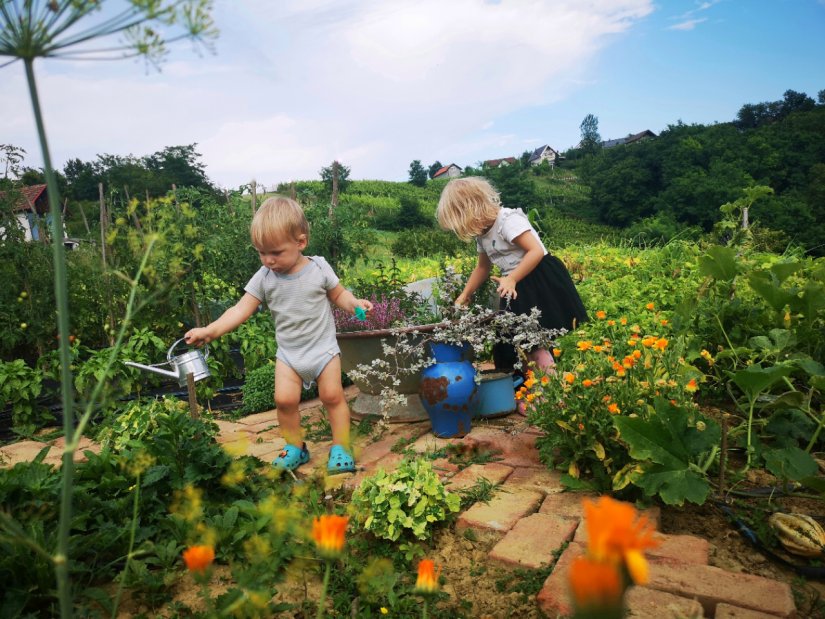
[(304, 327)]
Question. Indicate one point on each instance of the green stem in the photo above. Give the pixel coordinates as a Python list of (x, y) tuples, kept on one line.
[(135, 504), (323, 598), (751, 406), (424, 610), (710, 459), (61, 293), (727, 339)]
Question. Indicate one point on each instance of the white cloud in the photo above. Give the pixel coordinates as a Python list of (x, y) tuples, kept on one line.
[(689, 24), (300, 82)]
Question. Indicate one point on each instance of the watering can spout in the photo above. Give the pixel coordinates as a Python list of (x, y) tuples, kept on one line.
[(155, 369)]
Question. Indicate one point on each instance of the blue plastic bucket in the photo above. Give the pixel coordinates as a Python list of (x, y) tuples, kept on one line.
[(496, 394)]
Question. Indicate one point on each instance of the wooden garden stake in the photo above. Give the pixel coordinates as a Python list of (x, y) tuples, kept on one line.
[(85, 221), (193, 400), (102, 225), (723, 454), (254, 190)]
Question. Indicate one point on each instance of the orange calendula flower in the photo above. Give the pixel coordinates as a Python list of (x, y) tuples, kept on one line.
[(650, 306), (519, 394), (530, 382), (427, 581), (328, 534), (617, 534), (611, 323), (613, 408), (632, 342), (637, 354), (530, 397), (556, 352), (623, 320), (595, 585), (569, 378), (601, 314), (598, 348), (584, 345), (661, 343), (545, 380), (648, 341), (628, 362), (663, 321), (691, 385), (198, 558), (587, 382)]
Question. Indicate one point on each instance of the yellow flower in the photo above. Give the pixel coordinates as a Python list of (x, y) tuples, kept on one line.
[(545, 380), (598, 348), (691, 386), (198, 558), (595, 585), (530, 397), (384, 610), (623, 320), (601, 315), (556, 352), (611, 323), (569, 378), (631, 342), (328, 534), (650, 306), (427, 581), (584, 345), (613, 409), (706, 356)]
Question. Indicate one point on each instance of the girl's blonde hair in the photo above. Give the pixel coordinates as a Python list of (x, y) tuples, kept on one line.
[(468, 206), (276, 219)]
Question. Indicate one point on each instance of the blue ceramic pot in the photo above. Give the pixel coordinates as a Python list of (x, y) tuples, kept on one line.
[(448, 392)]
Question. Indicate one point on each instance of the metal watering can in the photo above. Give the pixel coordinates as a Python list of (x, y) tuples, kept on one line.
[(191, 362)]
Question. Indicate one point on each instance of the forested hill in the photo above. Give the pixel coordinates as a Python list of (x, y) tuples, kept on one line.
[(688, 171)]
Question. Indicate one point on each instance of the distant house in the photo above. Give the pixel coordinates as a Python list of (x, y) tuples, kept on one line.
[(544, 153), (498, 163), (630, 139), (31, 208), (448, 171)]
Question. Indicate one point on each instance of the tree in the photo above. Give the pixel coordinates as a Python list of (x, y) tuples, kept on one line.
[(418, 174), (179, 165), (343, 176), (11, 157), (590, 140), (435, 167), (82, 179)]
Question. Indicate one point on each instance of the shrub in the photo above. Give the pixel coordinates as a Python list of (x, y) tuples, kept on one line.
[(259, 390), (421, 242), (404, 502)]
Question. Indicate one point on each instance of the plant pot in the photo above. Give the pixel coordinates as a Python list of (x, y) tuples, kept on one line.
[(362, 347), (496, 394), (448, 392)]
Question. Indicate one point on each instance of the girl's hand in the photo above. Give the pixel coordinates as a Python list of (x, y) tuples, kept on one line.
[(197, 336), (506, 287)]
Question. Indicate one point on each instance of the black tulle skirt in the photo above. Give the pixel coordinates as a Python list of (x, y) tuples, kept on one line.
[(550, 288)]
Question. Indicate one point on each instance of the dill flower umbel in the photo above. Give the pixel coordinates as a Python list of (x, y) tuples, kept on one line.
[(328, 534)]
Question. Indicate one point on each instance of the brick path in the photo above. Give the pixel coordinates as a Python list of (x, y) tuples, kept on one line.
[(528, 521)]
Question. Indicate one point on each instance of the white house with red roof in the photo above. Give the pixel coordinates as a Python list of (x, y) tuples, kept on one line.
[(448, 171)]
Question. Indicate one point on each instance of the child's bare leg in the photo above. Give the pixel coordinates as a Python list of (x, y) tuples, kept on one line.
[(543, 360), (287, 397), (331, 392)]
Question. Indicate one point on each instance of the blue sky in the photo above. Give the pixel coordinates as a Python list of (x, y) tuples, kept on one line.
[(295, 84)]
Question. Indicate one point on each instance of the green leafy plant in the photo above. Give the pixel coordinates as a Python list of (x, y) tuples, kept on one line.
[(20, 386), (259, 390), (405, 502)]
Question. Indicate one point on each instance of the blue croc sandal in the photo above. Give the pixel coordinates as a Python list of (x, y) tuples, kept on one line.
[(340, 461), (291, 457)]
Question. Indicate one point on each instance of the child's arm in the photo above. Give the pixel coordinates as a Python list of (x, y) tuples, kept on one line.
[(533, 255), (344, 299), (228, 321), (477, 278)]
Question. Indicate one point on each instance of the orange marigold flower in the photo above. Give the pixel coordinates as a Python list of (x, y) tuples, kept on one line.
[(650, 306), (584, 345), (427, 581), (611, 323), (595, 585), (691, 386), (328, 534), (648, 341), (198, 558), (587, 382), (618, 534), (545, 380), (556, 352), (661, 343), (623, 320), (597, 348), (601, 314), (569, 378), (613, 409), (637, 354)]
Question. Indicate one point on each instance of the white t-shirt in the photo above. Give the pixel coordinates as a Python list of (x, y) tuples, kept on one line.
[(498, 244)]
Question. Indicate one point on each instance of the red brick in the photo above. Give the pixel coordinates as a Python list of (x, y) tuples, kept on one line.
[(533, 540), (23, 451), (543, 480), (493, 472), (444, 467), (646, 603), (388, 463), (514, 449), (686, 548), (726, 611), (712, 585), (566, 504), (501, 513), (554, 598), (270, 417), (429, 443)]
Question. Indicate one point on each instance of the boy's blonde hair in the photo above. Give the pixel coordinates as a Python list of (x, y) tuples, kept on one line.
[(468, 206), (276, 219)]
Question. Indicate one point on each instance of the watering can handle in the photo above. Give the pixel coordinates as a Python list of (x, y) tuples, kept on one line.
[(171, 348), (517, 381)]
